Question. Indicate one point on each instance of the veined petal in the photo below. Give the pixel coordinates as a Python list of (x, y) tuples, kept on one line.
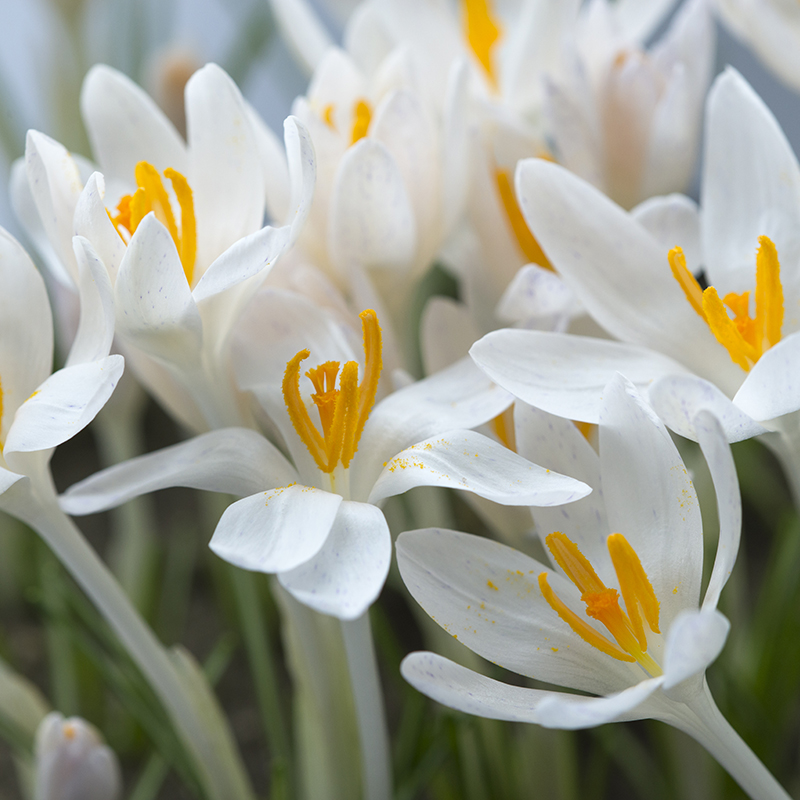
[(469, 461), (96, 327), (26, 328), (277, 530), (673, 220), (125, 126), (447, 331), (694, 641), (346, 576), (371, 221), (63, 405), (231, 460), (302, 163), (224, 166), (729, 504), (650, 498), (772, 387), (678, 398), (457, 397), (536, 293), (460, 688), (155, 308), (487, 596), (565, 375)]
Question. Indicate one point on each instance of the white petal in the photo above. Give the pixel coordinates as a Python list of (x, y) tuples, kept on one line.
[(155, 308), (565, 375), (457, 687), (92, 222), (673, 221), (729, 504), (224, 166), (487, 596), (471, 462), (458, 397), (302, 162), (650, 498), (678, 398), (750, 187), (26, 327), (570, 712), (346, 576), (535, 293), (447, 331), (55, 184), (303, 31), (125, 126), (772, 387), (63, 405), (371, 220), (243, 259), (615, 268), (694, 641), (231, 460), (276, 530), (456, 149), (96, 327)]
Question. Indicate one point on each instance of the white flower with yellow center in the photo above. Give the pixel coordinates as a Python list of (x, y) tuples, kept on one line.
[(615, 614), (179, 226), (321, 529), (732, 347)]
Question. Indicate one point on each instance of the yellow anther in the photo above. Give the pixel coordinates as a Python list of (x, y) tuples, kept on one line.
[(525, 239), (343, 411), (602, 602), (503, 425), (482, 32), (362, 116), (327, 116), (637, 591), (745, 338), (687, 281), (151, 196)]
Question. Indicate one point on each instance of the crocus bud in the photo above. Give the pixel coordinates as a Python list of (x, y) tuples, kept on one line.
[(72, 763)]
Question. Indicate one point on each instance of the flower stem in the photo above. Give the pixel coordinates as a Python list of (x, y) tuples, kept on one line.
[(221, 779), (705, 723), (373, 732)]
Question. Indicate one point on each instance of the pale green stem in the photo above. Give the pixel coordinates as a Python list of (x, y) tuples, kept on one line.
[(704, 722), (373, 732), (785, 444), (66, 541)]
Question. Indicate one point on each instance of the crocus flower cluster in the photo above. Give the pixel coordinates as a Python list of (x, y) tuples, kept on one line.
[(277, 299)]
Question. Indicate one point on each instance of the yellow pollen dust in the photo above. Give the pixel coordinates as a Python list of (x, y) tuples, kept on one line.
[(482, 32), (525, 239), (602, 602), (745, 338), (343, 411), (151, 195)]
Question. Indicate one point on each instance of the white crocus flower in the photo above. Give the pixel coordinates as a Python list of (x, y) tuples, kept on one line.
[(315, 520), (721, 348), (771, 29), (179, 252), (72, 763), (635, 541)]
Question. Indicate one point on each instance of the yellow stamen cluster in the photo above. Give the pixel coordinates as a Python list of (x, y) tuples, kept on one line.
[(151, 195), (531, 249), (362, 116), (482, 32), (745, 338), (602, 603), (343, 411)]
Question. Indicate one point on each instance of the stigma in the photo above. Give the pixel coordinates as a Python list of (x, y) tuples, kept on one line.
[(602, 603), (745, 338), (151, 195), (343, 410)]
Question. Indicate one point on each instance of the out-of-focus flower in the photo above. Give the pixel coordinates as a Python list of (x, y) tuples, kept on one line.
[(771, 28), (178, 258), (320, 530), (72, 763), (637, 539), (731, 348)]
